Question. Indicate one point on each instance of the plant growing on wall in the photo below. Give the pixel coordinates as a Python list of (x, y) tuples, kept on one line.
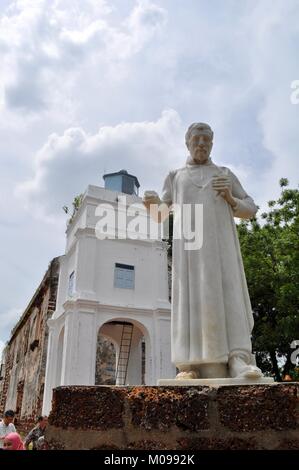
[(75, 207)]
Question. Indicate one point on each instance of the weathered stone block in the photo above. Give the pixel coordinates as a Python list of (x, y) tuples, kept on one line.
[(164, 407), (258, 407), (84, 407)]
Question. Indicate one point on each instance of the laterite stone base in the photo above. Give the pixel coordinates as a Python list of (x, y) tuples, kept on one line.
[(175, 418)]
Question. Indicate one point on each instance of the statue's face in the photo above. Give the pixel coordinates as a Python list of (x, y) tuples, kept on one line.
[(200, 145)]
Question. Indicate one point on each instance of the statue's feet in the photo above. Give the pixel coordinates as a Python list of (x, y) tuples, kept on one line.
[(252, 372), (238, 368), (187, 375)]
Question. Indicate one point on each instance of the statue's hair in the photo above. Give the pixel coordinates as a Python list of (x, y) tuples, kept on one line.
[(200, 126)]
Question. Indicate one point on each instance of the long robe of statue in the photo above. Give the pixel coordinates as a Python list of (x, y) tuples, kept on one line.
[(211, 311)]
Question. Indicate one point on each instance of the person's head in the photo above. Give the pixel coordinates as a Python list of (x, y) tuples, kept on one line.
[(8, 417), (42, 421), (42, 444), (13, 442), (199, 141)]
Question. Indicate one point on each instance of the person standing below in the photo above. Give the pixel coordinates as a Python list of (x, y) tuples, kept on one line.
[(13, 441), (6, 426), (37, 432)]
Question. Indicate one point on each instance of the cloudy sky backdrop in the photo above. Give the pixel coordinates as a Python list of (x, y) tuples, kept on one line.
[(94, 86)]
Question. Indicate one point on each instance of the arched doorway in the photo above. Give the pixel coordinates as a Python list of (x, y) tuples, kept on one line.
[(121, 357)]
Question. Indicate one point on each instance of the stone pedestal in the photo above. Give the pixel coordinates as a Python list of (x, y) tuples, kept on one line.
[(260, 416)]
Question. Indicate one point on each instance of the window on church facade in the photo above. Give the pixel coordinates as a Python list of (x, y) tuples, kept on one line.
[(124, 276)]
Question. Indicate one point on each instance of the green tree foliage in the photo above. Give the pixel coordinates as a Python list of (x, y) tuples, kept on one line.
[(270, 252)]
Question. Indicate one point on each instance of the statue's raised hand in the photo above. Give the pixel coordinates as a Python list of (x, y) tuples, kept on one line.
[(150, 197), (159, 211)]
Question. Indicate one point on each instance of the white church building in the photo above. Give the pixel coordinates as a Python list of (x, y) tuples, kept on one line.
[(114, 283)]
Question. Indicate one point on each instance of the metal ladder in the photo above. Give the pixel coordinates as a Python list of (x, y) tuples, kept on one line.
[(124, 354)]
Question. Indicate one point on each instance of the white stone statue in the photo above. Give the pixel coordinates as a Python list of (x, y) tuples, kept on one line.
[(211, 312)]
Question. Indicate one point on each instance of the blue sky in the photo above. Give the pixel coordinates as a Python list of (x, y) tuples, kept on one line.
[(95, 86)]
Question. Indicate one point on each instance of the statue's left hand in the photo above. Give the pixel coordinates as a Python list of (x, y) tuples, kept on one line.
[(223, 185)]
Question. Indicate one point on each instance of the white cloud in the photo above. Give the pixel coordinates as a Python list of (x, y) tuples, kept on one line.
[(67, 163), (274, 59), (145, 19), (45, 43)]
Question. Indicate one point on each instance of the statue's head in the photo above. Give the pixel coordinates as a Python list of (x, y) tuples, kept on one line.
[(199, 141)]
